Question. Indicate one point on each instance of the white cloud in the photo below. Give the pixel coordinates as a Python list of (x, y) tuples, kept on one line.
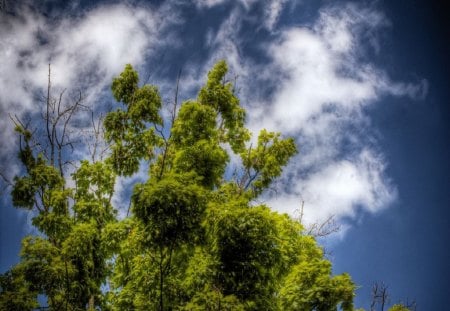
[(323, 82), (272, 12), (97, 45), (85, 52), (224, 44), (105, 40), (208, 3), (271, 8), (342, 26), (212, 3), (340, 188), (313, 80)]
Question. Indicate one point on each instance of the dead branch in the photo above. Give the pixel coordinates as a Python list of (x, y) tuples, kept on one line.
[(320, 229), (380, 295), (173, 116)]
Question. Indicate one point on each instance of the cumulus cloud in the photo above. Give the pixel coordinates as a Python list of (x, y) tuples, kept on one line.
[(97, 47), (339, 188), (323, 84), (316, 88), (85, 52)]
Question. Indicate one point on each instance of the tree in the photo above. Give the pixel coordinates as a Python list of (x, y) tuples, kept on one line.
[(381, 297), (398, 307), (67, 260), (194, 240), (198, 241)]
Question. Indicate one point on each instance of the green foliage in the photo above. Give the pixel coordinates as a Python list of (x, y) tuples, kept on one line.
[(196, 138), (124, 86), (15, 292), (206, 160), (42, 178), (23, 192), (68, 262), (213, 299), (195, 122), (218, 94), (170, 208), (245, 241), (265, 162), (398, 307), (310, 286), (193, 241), (44, 269), (93, 192), (127, 129)]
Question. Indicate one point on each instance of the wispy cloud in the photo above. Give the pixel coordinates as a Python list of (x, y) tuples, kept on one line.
[(271, 9), (272, 12), (208, 3), (221, 43)]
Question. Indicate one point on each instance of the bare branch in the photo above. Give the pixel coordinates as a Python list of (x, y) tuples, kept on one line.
[(47, 116), (7, 182), (3, 5), (175, 103), (246, 176), (173, 116), (411, 305), (96, 140), (301, 212), (251, 178), (320, 229), (325, 228), (379, 295), (5, 179)]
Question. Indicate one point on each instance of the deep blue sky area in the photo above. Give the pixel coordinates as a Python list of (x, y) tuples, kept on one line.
[(398, 62), (407, 246)]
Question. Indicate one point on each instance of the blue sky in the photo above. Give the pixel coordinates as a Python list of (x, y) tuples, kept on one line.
[(362, 86)]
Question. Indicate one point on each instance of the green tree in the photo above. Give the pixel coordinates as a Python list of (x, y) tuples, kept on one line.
[(398, 307), (68, 260), (15, 292), (194, 240), (197, 241)]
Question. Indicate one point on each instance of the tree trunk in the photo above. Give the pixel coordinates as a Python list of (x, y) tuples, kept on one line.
[(91, 306)]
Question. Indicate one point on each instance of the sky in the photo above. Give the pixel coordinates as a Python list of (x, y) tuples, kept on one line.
[(362, 86)]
